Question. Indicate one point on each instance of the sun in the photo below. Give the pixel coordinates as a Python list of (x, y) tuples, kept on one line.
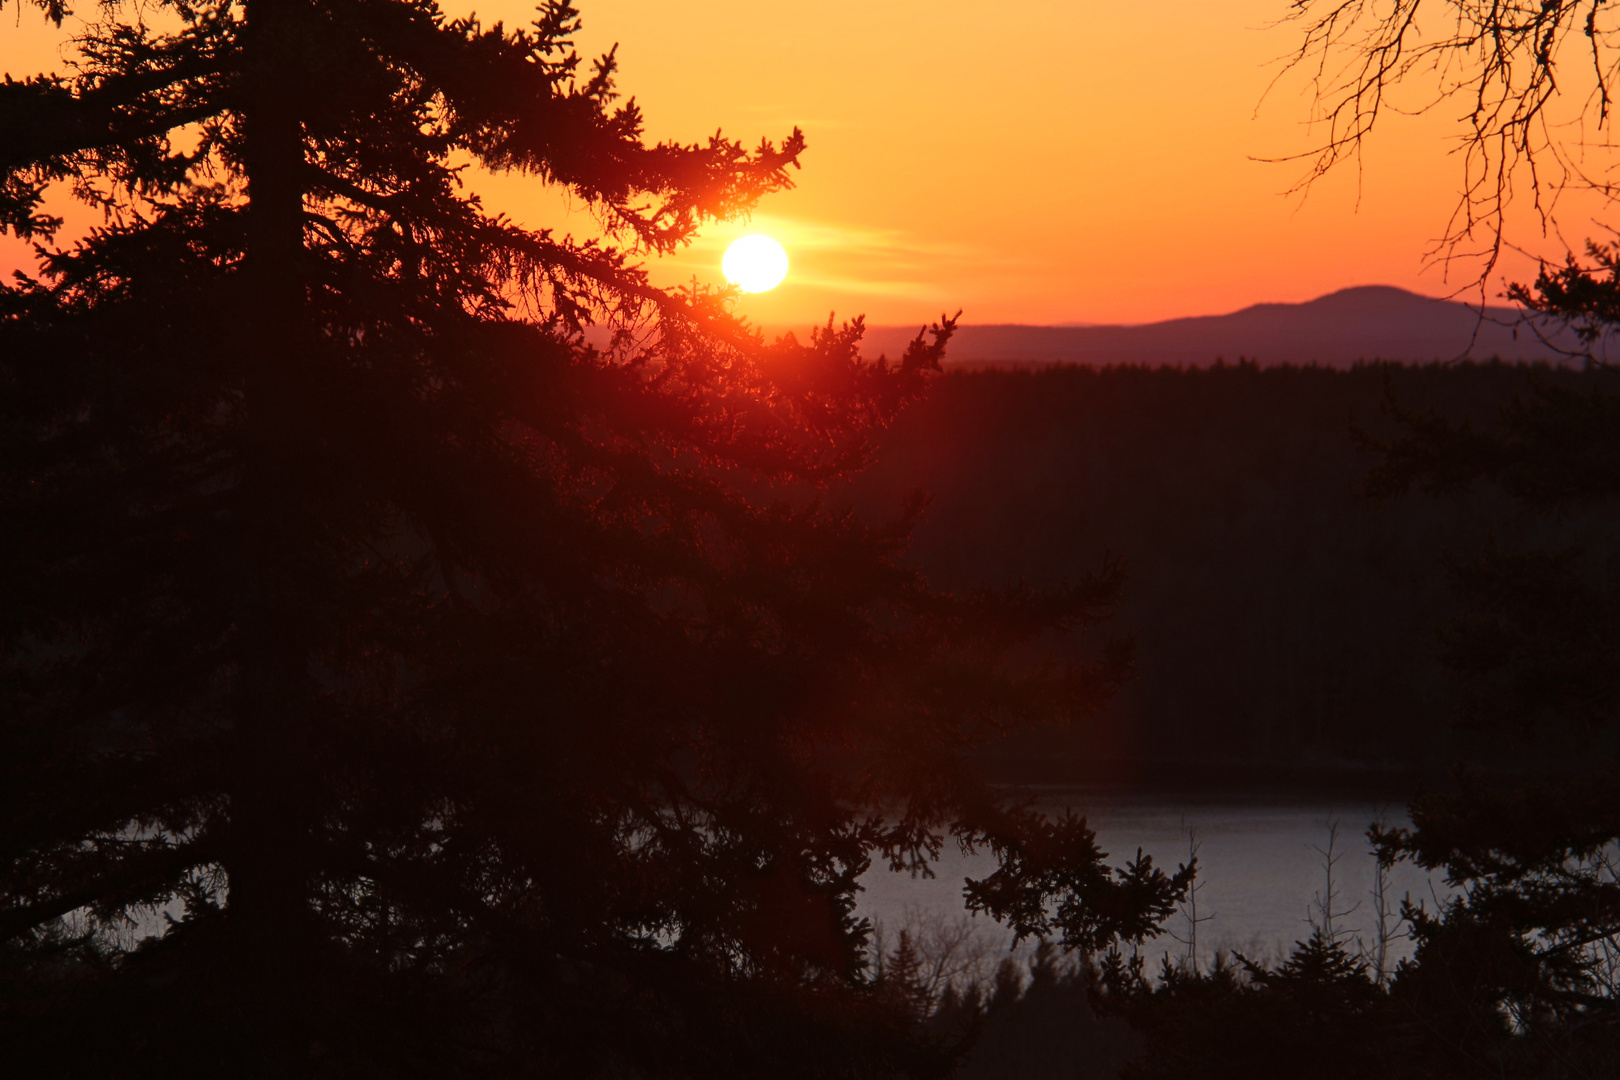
[(755, 263)]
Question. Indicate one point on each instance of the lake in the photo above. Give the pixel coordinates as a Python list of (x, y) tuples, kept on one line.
[(1261, 868)]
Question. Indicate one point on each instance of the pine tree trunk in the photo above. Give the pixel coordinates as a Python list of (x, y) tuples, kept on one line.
[(269, 868)]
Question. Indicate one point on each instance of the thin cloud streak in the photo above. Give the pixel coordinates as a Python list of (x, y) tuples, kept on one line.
[(835, 258)]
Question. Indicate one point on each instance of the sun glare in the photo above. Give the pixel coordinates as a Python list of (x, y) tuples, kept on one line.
[(755, 263)]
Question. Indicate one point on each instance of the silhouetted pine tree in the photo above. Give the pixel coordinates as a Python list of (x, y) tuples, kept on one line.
[(1517, 972), (467, 700), (1536, 645)]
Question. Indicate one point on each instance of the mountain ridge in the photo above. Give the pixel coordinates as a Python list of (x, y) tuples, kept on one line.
[(1338, 329)]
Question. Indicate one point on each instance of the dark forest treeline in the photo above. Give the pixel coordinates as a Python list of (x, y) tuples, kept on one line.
[(1286, 623)]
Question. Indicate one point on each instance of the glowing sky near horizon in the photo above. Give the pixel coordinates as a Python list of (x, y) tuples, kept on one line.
[(1063, 160)]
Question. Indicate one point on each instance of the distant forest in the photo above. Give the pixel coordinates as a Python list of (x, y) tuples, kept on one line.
[(1285, 624)]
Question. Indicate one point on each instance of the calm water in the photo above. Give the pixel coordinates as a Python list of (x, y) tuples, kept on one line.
[(1260, 868)]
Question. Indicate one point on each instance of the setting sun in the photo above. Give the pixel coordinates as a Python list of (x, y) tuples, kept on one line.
[(755, 263)]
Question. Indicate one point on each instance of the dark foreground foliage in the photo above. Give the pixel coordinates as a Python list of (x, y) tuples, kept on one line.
[(1016, 1019), (449, 697), (1517, 976)]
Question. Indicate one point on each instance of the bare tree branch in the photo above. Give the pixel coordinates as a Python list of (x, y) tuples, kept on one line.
[(1532, 81)]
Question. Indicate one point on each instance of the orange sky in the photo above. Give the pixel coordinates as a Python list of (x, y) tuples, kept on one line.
[(1062, 160)]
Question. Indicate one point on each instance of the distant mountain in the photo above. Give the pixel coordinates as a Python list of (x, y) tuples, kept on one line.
[(1371, 322)]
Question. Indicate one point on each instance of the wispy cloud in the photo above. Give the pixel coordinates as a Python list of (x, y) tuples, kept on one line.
[(837, 258)]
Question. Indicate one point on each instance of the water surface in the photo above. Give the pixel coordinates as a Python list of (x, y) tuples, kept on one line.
[(1261, 867)]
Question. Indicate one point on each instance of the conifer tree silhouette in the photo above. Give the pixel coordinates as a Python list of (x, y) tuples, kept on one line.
[(465, 699)]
